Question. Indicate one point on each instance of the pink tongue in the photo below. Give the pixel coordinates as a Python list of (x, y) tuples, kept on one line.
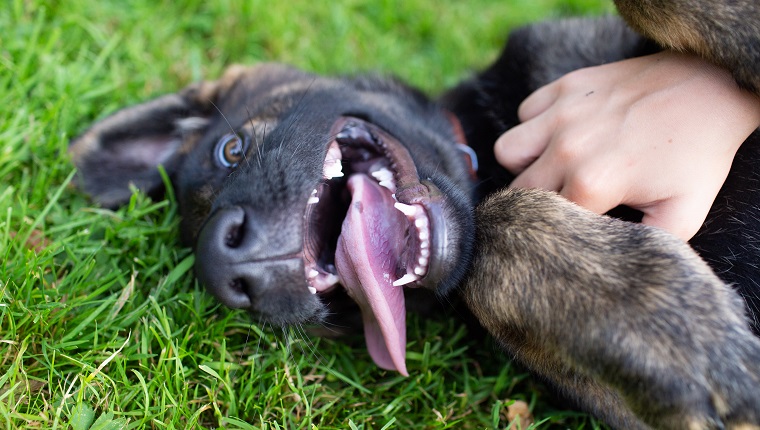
[(368, 247)]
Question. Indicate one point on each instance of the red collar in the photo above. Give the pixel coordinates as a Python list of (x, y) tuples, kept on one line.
[(467, 153)]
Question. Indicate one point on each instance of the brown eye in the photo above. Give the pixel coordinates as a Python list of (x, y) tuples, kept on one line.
[(230, 150)]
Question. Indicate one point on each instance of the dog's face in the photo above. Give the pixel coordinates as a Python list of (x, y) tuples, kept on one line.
[(294, 187)]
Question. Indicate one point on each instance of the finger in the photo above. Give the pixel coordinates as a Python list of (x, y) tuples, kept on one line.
[(538, 102), (520, 146), (540, 174), (593, 193), (680, 217)]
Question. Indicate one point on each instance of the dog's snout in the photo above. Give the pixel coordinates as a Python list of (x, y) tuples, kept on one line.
[(217, 250), (239, 258)]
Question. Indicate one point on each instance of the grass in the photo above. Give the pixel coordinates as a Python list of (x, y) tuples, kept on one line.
[(103, 325)]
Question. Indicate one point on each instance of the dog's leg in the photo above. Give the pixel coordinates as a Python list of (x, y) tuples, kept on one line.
[(625, 318), (724, 33)]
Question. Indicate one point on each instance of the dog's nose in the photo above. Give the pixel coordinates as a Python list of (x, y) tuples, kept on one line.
[(218, 246), (239, 260)]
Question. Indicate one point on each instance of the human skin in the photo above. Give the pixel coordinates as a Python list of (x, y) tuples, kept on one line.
[(656, 133)]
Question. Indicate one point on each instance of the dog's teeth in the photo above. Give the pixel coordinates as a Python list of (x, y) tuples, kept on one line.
[(419, 271), (333, 169), (406, 279), (425, 252), (313, 273), (423, 261), (424, 235), (312, 290), (331, 279), (389, 185), (407, 210), (312, 200), (421, 222), (380, 173), (424, 245)]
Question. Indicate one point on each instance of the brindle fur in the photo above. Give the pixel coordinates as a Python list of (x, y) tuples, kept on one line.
[(724, 32), (626, 319)]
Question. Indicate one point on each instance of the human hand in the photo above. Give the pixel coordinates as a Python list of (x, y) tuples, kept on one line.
[(656, 133)]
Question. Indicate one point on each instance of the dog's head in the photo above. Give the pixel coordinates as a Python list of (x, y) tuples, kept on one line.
[(292, 186)]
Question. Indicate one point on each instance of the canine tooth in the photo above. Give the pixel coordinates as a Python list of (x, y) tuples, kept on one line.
[(407, 210), (406, 279), (389, 185), (312, 200), (313, 273), (333, 169), (419, 271), (312, 290)]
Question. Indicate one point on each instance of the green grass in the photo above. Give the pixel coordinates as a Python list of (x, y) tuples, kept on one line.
[(102, 323)]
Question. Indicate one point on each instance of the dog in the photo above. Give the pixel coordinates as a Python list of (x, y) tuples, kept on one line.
[(302, 194)]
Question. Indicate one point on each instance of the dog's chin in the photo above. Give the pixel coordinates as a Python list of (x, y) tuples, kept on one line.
[(373, 227)]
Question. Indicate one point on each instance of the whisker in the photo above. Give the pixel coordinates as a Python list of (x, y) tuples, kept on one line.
[(299, 110), (310, 345), (259, 147), (232, 129), (240, 359)]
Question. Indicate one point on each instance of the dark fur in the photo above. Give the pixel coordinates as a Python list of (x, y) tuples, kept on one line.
[(624, 318)]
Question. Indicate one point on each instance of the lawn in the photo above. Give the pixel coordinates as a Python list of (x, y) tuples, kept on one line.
[(103, 325)]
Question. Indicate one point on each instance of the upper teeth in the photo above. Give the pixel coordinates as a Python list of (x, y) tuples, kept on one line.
[(333, 167), (383, 176)]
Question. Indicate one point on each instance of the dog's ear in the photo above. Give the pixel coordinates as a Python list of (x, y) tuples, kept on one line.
[(128, 146)]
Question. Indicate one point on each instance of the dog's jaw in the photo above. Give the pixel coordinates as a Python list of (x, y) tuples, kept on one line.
[(392, 234)]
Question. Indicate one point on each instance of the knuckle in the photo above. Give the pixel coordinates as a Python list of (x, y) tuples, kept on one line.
[(584, 187), (565, 149), (573, 80)]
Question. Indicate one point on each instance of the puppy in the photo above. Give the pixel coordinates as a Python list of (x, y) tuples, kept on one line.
[(299, 191)]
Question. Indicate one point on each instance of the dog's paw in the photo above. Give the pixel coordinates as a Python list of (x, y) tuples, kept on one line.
[(701, 370), (725, 396)]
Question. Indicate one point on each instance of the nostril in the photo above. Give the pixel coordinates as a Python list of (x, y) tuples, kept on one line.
[(234, 236), (237, 286)]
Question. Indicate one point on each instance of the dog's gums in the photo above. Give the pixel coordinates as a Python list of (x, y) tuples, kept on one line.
[(384, 241)]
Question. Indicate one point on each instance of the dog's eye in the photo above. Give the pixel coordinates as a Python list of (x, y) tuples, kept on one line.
[(230, 150)]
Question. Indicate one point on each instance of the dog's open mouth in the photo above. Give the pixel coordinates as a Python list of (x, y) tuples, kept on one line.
[(370, 227)]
